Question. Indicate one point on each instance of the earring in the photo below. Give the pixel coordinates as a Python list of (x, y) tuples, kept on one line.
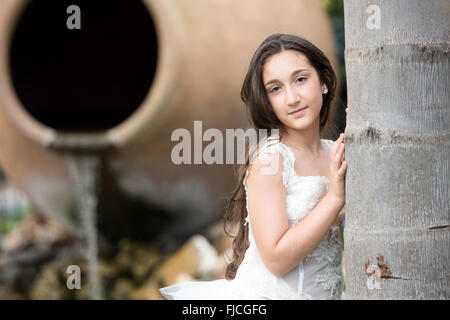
[(325, 91)]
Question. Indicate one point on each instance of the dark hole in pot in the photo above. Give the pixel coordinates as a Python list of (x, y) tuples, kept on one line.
[(88, 79)]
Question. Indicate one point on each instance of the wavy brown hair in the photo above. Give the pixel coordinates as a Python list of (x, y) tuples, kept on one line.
[(253, 94)]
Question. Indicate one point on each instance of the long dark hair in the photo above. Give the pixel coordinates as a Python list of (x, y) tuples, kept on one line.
[(253, 94)]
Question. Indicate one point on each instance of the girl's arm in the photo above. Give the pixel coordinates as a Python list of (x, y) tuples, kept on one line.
[(297, 242), (282, 248)]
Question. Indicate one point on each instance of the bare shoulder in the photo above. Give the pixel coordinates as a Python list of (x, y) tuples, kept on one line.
[(266, 167)]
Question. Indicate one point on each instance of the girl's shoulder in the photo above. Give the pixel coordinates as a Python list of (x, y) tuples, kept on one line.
[(271, 159), (266, 149), (328, 142)]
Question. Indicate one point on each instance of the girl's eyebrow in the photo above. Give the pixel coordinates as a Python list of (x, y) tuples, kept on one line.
[(292, 74)]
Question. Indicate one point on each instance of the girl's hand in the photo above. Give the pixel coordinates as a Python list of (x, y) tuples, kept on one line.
[(338, 168)]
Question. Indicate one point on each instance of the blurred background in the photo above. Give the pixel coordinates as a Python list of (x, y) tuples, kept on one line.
[(86, 117)]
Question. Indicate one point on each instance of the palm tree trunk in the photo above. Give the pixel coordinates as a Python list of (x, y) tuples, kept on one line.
[(397, 240)]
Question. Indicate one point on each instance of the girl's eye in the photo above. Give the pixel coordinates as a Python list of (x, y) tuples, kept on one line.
[(301, 79), (274, 89)]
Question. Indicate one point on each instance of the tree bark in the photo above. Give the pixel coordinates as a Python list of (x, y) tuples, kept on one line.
[(397, 146)]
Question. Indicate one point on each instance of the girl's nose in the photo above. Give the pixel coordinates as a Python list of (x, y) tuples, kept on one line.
[(292, 97)]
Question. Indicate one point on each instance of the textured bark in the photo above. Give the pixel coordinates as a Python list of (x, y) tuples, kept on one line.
[(397, 241)]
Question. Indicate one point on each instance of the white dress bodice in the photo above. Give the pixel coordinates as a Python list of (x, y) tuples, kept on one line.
[(319, 275)]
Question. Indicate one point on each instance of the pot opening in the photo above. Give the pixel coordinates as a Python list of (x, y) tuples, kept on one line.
[(87, 79)]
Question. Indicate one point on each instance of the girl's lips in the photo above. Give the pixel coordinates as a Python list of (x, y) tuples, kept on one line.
[(298, 112)]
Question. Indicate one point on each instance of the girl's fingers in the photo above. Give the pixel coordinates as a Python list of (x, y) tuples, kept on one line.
[(337, 143), (343, 168), (337, 161), (339, 153)]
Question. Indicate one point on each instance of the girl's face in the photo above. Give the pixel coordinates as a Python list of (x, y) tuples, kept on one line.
[(292, 84)]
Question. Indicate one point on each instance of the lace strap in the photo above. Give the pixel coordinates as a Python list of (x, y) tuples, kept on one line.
[(329, 143), (288, 163), (270, 145)]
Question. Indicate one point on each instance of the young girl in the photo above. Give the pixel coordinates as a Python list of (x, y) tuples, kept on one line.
[(288, 244)]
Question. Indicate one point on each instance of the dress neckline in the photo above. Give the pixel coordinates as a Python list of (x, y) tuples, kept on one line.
[(293, 163)]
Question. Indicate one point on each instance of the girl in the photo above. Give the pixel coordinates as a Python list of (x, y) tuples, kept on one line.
[(288, 244)]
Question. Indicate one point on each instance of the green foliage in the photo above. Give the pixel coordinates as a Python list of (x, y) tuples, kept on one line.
[(335, 10), (10, 218), (334, 7)]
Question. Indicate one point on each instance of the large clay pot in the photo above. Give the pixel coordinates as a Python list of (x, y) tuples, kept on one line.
[(196, 56)]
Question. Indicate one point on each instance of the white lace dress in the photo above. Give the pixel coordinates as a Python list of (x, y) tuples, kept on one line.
[(318, 276)]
